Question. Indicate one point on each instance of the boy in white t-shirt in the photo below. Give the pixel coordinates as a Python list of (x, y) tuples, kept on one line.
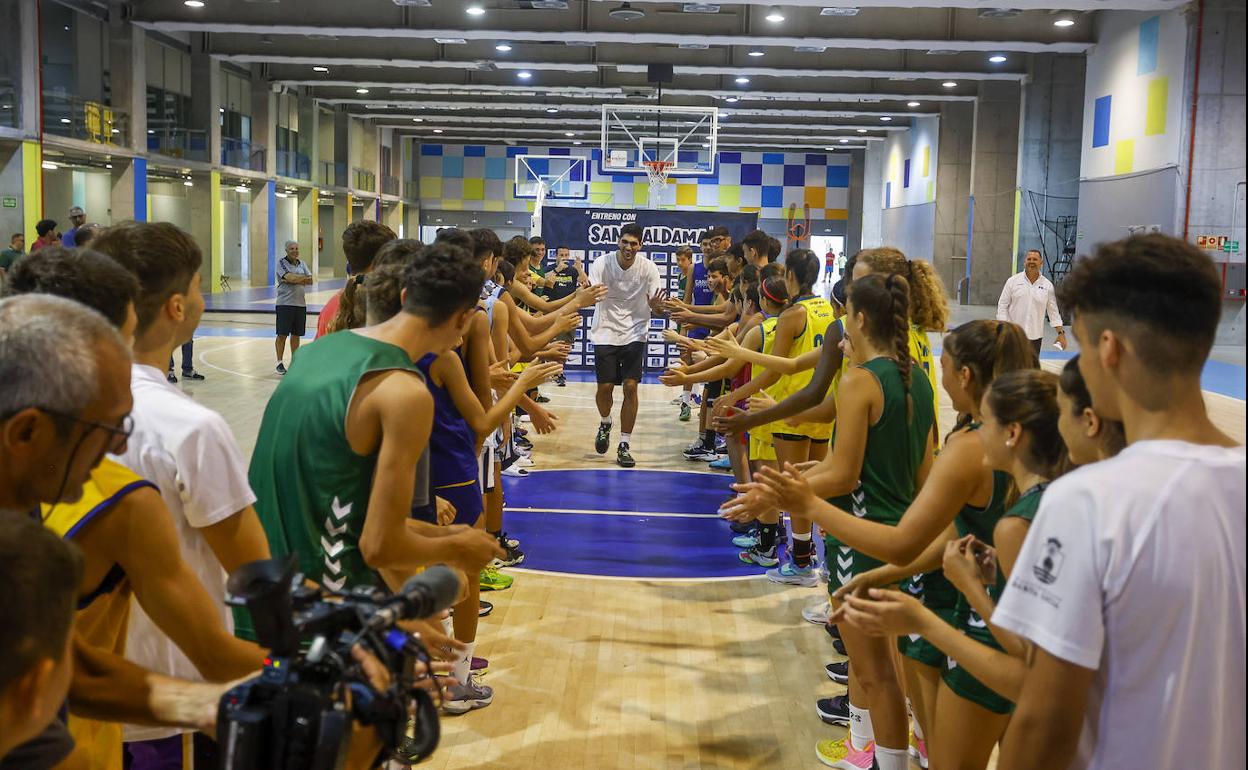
[(1130, 585), (184, 448)]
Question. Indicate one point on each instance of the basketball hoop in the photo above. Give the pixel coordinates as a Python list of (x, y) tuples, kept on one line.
[(657, 170)]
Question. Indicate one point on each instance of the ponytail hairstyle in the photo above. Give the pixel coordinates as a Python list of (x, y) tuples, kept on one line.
[(804, 266), (1113, 436), (775, 289), (746, 280), (506, 272), (929, 308), (382, 288), (989, 349), (361, 242), (1028, 397), (884, 302)]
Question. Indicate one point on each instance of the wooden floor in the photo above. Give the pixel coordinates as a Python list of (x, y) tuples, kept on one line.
[(610, 673)]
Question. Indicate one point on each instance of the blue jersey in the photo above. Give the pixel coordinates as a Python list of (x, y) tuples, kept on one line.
[(702, 294), (455, 460)]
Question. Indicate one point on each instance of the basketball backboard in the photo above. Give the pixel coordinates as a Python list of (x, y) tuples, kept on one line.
[(685, 137), (563, 177)]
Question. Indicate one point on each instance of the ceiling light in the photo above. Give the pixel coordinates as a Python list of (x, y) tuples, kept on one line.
[(997, 59), (693, 46), (48, 165), (701, 8), (418, 120), (64, 120), (475, 10), (912, 104), (150, 131), (116, 130), (569, 133), (775, 17), (437, 130), (1064, 22), (108, 165), (742, 80), (626, 12), (886, 118), (242, 188), (732, 100), (524, 74), (188, 183), (862, 130), (319, 68), (551, 110), (504, 47), (576, 142), (450, 41), (757, 53), (844, 141), (949, 84), (839, 12), (810, 48), (361, 90), (194, 3), (474, 221)]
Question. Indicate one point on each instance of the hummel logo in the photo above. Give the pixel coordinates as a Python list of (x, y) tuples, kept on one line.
[(333, 585), (332, 549), (951, 663), (913, 637), (974, 621), (845, 562), (334, 566), (331, 529), (340, 511)]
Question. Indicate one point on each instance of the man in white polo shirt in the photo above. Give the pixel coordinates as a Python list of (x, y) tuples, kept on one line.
[(1025, 299), (1130, 584)]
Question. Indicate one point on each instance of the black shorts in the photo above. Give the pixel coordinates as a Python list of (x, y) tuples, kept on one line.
[(291, 319), (714, 389), (616, 363)]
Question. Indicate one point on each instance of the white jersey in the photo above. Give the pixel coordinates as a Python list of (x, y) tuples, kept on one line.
[(623, 316), (1134, 567)]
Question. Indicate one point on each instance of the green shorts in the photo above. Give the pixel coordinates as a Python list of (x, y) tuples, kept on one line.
[(844, 563), (919, 649), (958, 679)]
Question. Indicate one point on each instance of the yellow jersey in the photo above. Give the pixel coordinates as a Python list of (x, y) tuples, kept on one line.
[(921, 352), (819, 316)]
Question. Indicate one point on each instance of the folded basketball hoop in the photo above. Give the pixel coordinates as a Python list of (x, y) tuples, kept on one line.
[(657, 171)]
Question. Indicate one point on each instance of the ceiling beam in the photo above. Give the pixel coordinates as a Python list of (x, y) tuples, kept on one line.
[(626, 38), (610, 92), (585, 146), (1023, 5), (593, 136), (441, 121), (725, 113)]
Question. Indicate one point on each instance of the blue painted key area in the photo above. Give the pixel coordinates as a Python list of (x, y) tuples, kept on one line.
[(614, 532)]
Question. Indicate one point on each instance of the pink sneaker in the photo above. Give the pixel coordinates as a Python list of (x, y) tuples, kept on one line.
[(918, 751), (843, 756)]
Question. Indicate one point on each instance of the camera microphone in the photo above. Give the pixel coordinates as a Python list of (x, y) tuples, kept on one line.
[(431, 591)]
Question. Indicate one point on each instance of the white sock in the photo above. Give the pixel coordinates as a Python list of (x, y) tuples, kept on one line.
[(463, 666), (605, 420), (626, 438), (686, 397), (861, 732), (892, 759), (799, 536)]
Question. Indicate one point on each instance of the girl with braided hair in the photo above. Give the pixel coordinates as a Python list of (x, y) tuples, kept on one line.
[(883, 450)]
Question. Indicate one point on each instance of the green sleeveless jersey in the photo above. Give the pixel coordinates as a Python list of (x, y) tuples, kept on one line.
[(1028, 503), (895, 444), (312, 489)]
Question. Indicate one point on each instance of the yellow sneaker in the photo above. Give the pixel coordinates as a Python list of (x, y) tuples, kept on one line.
[(493, 580), (842, 755)]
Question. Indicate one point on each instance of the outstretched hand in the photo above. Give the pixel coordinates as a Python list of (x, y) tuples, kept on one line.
[(657, 302), (752, 501), (790, 489), (881, 612)]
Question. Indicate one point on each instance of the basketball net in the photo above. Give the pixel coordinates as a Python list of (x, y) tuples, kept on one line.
[(657, 170)]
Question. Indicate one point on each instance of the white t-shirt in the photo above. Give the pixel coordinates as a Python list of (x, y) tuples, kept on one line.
[(623, 316), (187, 451), (1026, 303), (1135, 567)]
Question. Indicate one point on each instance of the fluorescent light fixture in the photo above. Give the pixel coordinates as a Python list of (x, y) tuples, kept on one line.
[(775, 17), (48, 165), (839, 12), (757, 53), (576, 142), (450, 41), (503, 47), (361, 90), (732, 100), (64, 120), (844, 141), (150, 131), (194, 3), (912, 104), (886, 118), (996, 59), (108, 165), (319, 68), (418, 120), (188, 183), (693, 46), (949, 84), (524, 74), (474, 10), (1064, 22), (242, 188), (569, 134), (742, 80), (437, 130), (551, 110), (810, 49), (862, 130)]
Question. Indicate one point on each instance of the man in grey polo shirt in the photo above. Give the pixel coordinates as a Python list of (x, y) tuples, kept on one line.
[(292, 308)]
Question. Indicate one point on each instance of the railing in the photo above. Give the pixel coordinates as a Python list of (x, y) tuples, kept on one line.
[(411, 190), (293, 164), (240, 153), (78, 118), (389, 185), (184, 143), (9, 106), (363, 179), (332, 174)]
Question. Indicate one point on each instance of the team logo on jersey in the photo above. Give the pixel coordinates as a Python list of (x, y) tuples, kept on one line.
[(1049, 566)]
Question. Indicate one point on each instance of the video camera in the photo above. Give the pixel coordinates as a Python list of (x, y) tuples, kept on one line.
[(297, 714)]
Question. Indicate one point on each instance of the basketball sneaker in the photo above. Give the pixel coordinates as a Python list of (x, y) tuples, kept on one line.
[(843, 756), (622, 456), (698, 452), (603, 439), (485, 609), (838, 672), (514, 554), (748, 540), (740, 528), (790, 574), (685, 412), (462, 698), (759, 557), (833, 711), (561, 380), (918, 750), (280, 368), (720, 464), (493, 580), (817, 613), (479, 664)]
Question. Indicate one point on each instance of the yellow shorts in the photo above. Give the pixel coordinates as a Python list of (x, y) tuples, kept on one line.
[(762, 448)]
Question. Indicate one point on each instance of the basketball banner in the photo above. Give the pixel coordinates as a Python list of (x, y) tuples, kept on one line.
[(591, 232)]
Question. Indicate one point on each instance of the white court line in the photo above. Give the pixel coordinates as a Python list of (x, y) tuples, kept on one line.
[(726, 476), (599, 512), (582, 576), (240, 343)]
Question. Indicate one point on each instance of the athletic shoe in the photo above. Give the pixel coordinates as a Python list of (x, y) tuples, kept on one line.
[(817, 613), (493, 580), (721, 445), (838, 672), (478, 664), (721, 464), (280, 368), (540, 399), (699, 453), (173, 378), (833, 711), (514, 554), (790, 574), (527, 420), (485, 609), (918, 750), (462, 698), (524, 461), (833, 631), (192, 375), (522, 442), (839, 647), (506, 541), (517, 431), (759, 557), (622, 457), (742, 528), (824, 577), (603, 439), (515, 471), (685, 412), (843, 756), (561, 380), (748, 540)]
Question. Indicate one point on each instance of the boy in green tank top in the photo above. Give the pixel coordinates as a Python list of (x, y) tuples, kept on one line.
[(335, 460)]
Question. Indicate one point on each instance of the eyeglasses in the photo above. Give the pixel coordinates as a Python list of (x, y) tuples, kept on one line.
[(121, 432)]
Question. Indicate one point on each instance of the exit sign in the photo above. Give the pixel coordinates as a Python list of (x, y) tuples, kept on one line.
[(1231, 247), (9, 202)]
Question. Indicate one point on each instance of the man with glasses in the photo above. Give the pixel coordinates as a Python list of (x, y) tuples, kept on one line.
[(77, 218), (618, 332)]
